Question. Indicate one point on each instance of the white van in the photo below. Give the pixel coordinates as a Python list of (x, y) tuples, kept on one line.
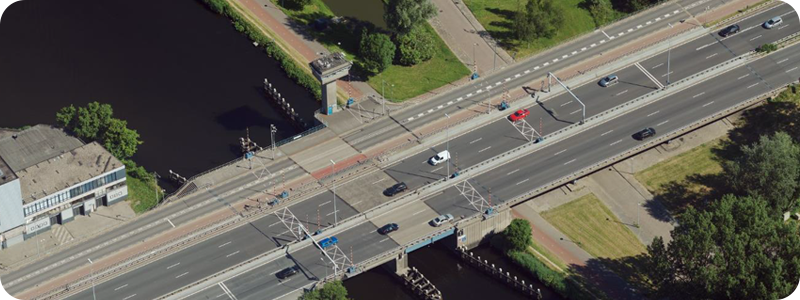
[(440, 158)]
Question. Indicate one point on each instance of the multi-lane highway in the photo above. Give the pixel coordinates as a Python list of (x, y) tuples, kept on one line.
[(633, 28), (505, 182)]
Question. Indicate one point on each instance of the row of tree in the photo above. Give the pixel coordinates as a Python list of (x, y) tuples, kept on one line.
[(409, 42), (738, 247)]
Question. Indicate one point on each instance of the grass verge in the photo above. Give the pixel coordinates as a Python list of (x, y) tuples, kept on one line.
[(396, 83), (543, 254), (681, 180), (497, 17), (590, 224), (142, 195)]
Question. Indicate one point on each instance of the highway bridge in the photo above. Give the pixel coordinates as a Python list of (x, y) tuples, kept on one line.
[(554, 159)]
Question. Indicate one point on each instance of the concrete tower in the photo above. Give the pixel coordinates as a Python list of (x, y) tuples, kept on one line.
[(327, 69)]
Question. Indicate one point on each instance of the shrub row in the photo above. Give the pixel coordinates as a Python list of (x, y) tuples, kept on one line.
[(294, 71)]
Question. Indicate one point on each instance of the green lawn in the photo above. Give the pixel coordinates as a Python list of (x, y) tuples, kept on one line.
[(590, 224), (408, 82), (497, 17), (141, 195), (684, 178)]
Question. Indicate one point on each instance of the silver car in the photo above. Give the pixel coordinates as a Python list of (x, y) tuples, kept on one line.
[(609, 80), (773, 22), (438, 221)]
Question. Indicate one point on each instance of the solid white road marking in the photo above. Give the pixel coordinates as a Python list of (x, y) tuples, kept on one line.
[(521, 182), (484, 149), (172, 266), (228, 291), (650, 76), (559, 152), (512, 172), (475, 141), (569, 162), (662, 123), (170, 223), (179, 276), (698, 95), (116, 289), (707, 104), (607, 132), (651, 114), (232, 254)]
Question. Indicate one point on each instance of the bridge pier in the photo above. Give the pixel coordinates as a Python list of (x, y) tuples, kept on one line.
[(472, 233), (399, 265)]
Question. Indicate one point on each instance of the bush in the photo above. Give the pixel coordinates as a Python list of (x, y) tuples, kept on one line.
[(289, 66), (767, 48), (296, 4), (415, 46), (136, 171), (376, 50)]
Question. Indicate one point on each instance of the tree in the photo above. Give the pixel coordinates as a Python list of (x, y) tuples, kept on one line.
[(415, 46), (376, 51), (121, 141), (330, 291), (402, 15), (734, 250), (296, 4), (92, 120), (518, 234), (770, 169), (601, 11), (66, 117), (537, 19)]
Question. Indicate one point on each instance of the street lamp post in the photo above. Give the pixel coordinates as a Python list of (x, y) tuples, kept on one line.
[(383, 94), (335, 214), (494, 64), (448, 146), (669, 53), (272, 131), (94, 296)]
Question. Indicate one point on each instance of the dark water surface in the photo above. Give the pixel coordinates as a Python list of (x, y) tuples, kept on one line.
[(365, 10), (452, 276), (177, 72)]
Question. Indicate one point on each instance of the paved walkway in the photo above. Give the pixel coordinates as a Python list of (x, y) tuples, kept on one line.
[(467, 38)]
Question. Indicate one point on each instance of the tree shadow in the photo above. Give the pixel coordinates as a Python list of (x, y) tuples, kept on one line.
[(630, 269), (505, 38)]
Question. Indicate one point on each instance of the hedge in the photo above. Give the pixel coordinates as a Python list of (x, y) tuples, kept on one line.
[(289, 66)]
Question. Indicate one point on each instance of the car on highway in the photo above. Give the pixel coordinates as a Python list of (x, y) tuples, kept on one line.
[(327, 242), (288, 272), (439, 158), (644, 134), (773, 22), (386, 229), (609, 80), (519, 115), (730, 30), (438, 221), (395, 189)]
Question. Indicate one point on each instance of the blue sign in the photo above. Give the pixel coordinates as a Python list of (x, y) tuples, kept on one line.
[(249, 155), (330, 110), (474, 76)]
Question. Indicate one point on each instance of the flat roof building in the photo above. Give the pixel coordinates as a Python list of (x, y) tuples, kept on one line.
[(50, 177)]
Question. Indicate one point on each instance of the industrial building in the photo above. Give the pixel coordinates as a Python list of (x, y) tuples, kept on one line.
[(49, 177)]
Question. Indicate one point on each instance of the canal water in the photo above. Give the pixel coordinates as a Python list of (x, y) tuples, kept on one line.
[(452, 276), (180, 74), (365, 10)]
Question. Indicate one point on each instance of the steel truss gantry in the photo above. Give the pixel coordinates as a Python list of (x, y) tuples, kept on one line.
[(474, 197), (333, 253)]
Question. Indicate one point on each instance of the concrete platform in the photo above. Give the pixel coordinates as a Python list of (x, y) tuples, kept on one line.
[(321, 149), (362, 193), (415, 220)]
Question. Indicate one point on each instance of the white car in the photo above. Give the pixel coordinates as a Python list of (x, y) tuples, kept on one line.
[(438, 221), (773, 22), (439, 158)]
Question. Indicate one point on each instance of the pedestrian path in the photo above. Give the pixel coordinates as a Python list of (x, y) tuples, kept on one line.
[(61, 234)]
